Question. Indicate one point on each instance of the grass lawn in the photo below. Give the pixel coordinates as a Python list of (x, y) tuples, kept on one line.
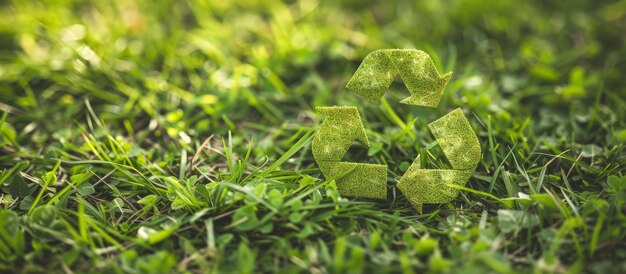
[(176, 137)]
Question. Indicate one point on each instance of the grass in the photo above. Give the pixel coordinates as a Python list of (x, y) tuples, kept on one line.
[(142, 137)]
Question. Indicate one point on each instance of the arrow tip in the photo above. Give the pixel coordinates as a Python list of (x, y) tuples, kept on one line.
[(457, 139), (428, 94)]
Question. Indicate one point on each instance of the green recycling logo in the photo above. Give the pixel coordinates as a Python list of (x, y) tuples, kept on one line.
[(342, 125)]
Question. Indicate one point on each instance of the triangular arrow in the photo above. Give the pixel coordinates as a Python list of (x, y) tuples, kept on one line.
[(341, 126), (416, 69), (460, 145)]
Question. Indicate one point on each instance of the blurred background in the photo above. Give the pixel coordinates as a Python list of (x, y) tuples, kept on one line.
[(130, 90), (200, 67)]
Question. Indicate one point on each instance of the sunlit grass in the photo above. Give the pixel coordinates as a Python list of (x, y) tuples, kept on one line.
[(148, 137)]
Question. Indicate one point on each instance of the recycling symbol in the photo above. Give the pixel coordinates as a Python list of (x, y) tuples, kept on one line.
[(342, 125)]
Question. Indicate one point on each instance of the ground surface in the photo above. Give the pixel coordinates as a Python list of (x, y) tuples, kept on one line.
[(174, 136)]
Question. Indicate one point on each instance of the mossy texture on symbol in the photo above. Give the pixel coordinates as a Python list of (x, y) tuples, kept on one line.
[(357, 179), (457, 139), (460, 145), (416, 69), (342, 125)]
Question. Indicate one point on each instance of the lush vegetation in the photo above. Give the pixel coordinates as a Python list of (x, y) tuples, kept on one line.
[(175, 136)]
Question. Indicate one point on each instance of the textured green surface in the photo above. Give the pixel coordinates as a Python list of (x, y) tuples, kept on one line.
[(132, 99), (416, 69), (457, 139), (453, 132), (357, 179), (430, 186), (341, 126), (460, 145)]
